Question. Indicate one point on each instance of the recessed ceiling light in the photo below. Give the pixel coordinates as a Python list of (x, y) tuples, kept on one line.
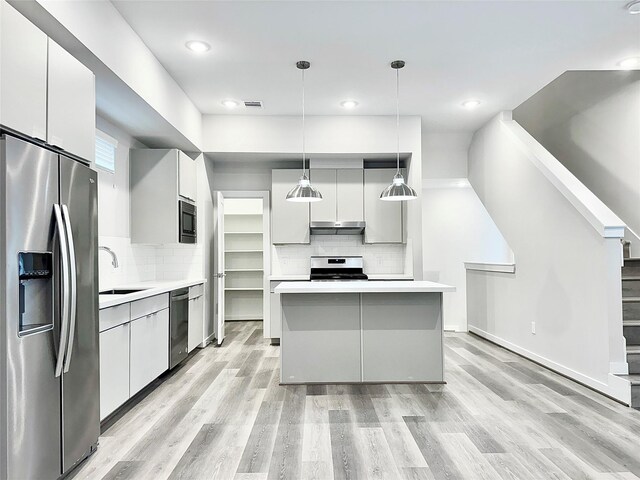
[(198, 46), (230, 103), (629, 63), (348, 104), (471, 104), (634, 7)]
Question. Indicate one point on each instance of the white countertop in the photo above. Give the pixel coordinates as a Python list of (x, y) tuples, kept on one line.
[(288, 278), (363, 287), (150, 289), (374, 276)]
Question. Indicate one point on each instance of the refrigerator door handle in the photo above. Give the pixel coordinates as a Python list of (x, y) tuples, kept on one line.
[(64, 255), (74, 286)]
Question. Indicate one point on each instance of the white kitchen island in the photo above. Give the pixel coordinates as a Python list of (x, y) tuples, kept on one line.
[(361, 332)]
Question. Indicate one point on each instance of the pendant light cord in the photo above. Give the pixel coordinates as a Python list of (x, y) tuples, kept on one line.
[(304, 167), (398, 120)]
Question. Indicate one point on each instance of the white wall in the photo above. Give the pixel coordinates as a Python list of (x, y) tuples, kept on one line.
[(358, 135), (567, 277), (324, 134), (457, 229), (113, 188), (444, 155), (590, 121), (246, 176)]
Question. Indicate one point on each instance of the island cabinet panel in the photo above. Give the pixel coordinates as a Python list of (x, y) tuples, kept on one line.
[(322, 334), (402, 337), (289, 220)]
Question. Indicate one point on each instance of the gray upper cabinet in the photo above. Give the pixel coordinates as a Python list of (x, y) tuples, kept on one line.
[(23, 74), (324, 179), (188, 182), (349, 194), (384, 219), (342, 195), (289, 220), (46, 92), (154, 178)]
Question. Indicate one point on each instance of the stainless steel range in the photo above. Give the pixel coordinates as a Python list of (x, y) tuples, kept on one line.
[(337, 269)]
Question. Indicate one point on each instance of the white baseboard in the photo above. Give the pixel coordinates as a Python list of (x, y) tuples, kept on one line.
[(234, 318), (619, 368), (207, 341), (615, 387)]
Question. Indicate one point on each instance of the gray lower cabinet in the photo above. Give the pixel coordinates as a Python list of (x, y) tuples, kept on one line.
[(149, 349), (133, 353), (402, 337), (273, 329), (196, 317), (322, 334), (114, 368)]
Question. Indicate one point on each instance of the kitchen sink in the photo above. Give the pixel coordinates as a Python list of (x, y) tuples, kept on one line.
[(118, 291)]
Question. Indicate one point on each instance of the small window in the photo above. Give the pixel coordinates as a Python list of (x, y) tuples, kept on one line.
[(106, 152)]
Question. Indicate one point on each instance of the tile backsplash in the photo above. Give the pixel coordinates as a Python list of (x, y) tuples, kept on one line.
[(141, 263), (378, 258), (175, 262)]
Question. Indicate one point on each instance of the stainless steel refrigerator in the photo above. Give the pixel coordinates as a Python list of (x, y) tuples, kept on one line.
[(49, 371)]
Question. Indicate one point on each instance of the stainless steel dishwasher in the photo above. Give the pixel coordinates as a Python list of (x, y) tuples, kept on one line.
[(178, 326)]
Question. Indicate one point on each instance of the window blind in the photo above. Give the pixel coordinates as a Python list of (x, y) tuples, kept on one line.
[(106, 151)]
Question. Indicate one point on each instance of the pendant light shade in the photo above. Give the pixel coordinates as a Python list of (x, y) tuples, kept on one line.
[(303, 191), (398, 191)]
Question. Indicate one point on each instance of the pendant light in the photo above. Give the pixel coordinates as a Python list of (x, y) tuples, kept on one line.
[(303, 191), (398, 190)]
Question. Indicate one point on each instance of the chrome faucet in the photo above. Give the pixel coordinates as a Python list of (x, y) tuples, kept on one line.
[(114, 258)]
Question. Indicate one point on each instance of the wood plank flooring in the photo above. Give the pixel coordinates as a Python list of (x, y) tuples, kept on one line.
[(224, 416)]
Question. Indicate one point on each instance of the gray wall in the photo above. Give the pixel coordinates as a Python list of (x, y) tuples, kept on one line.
[(590, 121)]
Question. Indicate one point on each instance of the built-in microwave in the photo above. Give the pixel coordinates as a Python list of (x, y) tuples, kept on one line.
[(188, 221)]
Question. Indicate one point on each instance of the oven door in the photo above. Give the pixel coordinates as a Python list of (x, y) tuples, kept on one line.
[(188, 221)]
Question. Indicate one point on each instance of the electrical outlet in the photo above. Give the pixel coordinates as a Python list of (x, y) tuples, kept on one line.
[(533, 327)]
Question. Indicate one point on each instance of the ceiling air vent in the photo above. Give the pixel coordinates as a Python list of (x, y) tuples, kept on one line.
[(253, 104)]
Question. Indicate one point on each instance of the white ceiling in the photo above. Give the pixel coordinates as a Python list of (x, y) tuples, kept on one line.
[(499, 52)]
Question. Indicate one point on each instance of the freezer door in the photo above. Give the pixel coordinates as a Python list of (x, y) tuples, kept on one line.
[(29, 391), (81, 380)]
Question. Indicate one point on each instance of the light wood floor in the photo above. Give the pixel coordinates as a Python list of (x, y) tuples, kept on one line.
[(224, 416)]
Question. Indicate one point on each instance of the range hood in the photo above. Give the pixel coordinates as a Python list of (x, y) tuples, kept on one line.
[(337, 228)]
